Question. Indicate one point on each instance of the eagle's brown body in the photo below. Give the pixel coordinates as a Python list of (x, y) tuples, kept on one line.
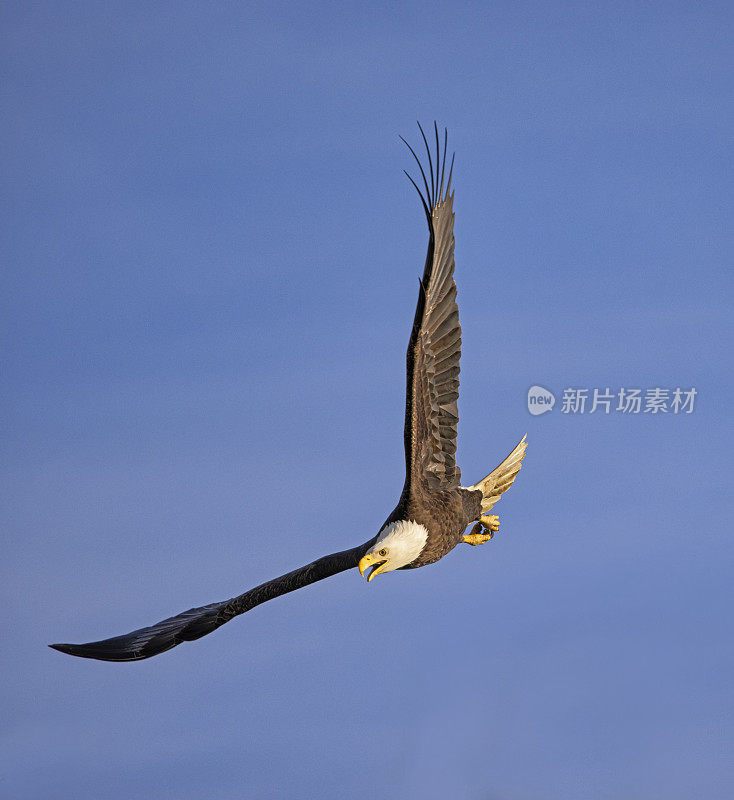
[(444, 514), (432, 501)]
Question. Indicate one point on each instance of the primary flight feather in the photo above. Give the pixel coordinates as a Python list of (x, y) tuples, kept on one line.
[(434, 510)]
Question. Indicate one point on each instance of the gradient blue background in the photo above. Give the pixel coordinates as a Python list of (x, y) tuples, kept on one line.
[(209, 262)]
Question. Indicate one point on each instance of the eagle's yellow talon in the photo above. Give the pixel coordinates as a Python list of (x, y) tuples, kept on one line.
[(490, 522), (477, 538), (478, 535)]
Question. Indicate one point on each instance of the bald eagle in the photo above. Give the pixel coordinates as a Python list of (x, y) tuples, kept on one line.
[(434, 508)]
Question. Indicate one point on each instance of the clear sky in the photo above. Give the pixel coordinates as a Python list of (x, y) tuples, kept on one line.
[(209, 260)]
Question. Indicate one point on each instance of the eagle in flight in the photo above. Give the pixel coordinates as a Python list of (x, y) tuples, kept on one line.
[(434, 509)]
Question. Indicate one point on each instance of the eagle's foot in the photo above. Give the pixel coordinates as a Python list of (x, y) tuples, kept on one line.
[(479, 535), (490, 521)]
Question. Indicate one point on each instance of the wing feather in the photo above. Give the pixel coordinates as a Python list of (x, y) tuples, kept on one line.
[(198, 622), (434, 351)]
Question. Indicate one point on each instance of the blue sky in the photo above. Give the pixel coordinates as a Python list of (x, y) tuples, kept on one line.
[(209, 273)]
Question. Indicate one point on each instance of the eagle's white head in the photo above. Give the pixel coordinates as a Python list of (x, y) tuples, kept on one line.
[(397, 544)]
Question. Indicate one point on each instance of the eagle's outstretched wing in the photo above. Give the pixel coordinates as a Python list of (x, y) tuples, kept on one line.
[(431, 413), (197, 622)]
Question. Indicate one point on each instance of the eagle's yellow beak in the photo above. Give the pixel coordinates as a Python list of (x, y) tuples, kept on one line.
[(378, 564)]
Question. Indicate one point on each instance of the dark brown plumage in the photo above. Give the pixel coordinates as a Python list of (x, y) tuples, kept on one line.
[(197, 622), (434, 509)]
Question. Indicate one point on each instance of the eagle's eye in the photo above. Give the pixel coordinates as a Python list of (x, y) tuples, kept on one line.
[(382, 553)]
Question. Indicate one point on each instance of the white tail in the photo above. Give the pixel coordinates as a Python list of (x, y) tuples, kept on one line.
[(500, 479)]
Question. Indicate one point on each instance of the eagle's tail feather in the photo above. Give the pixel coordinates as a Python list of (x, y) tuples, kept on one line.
[(500, 479)]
